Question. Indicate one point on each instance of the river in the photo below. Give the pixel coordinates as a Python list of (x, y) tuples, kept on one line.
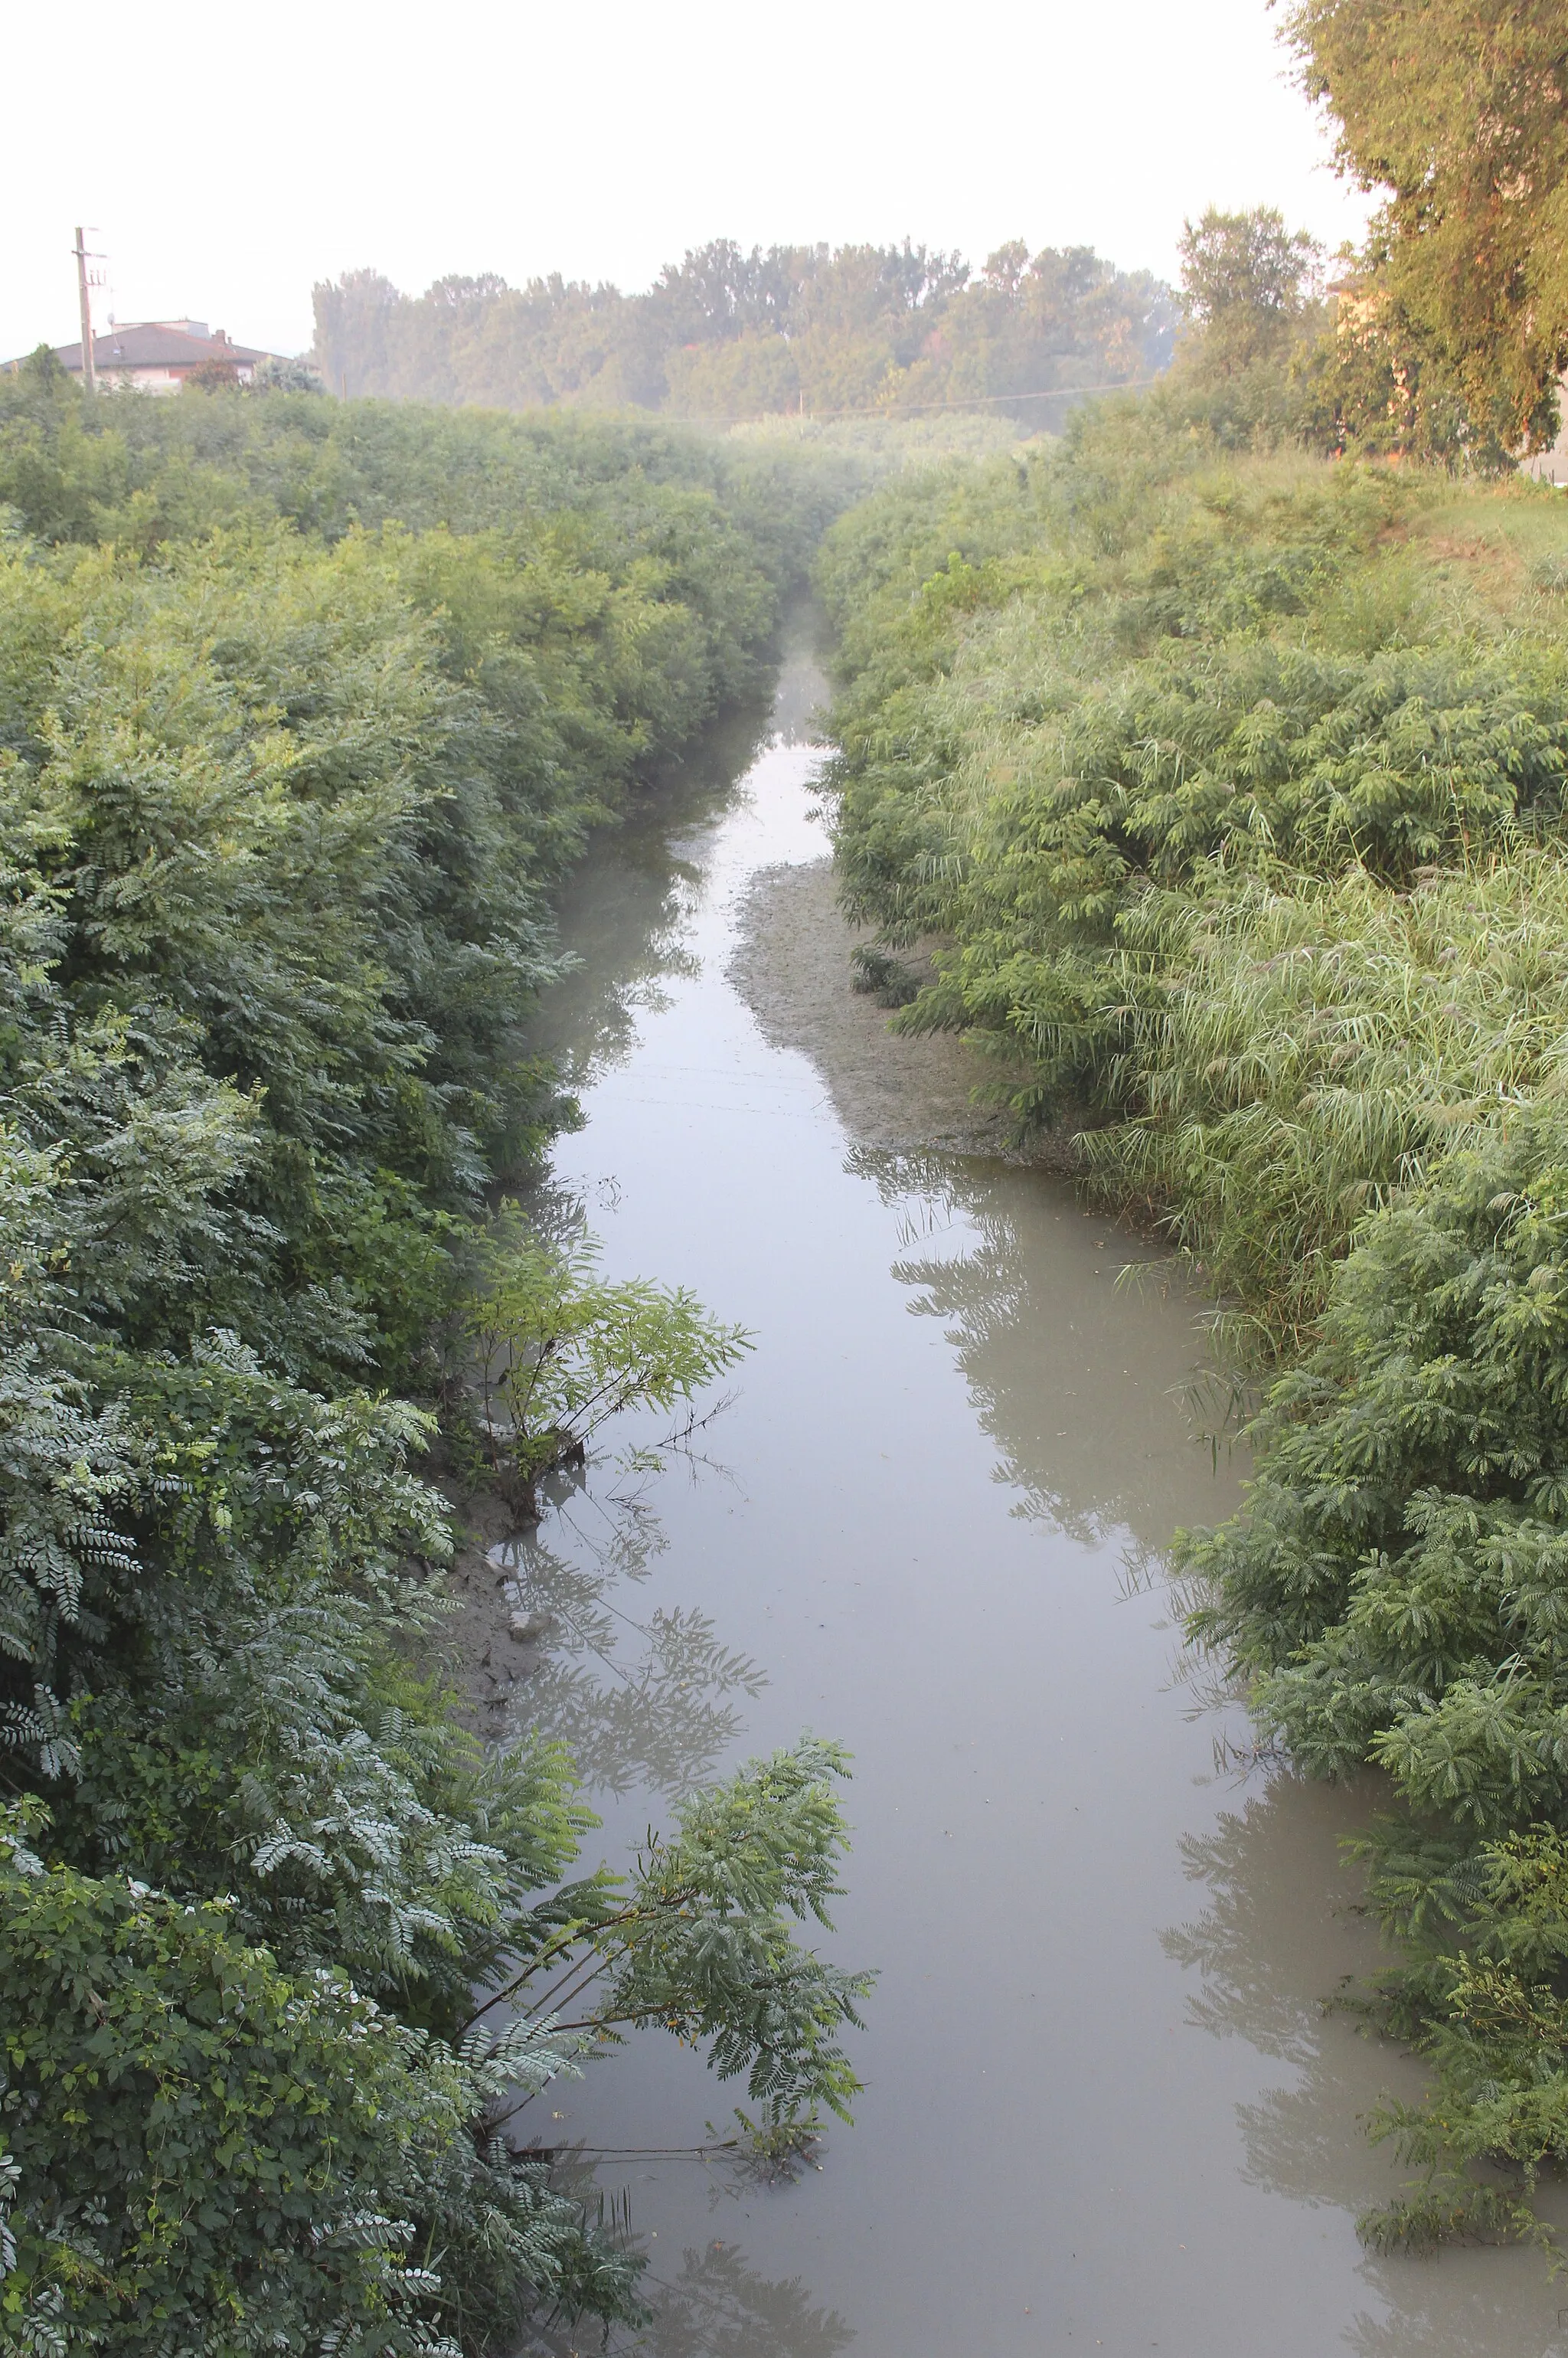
[(1104, 2108)]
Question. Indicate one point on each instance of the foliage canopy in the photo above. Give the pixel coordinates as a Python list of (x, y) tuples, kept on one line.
[(304, 708), (725, 334), (1458, 111)]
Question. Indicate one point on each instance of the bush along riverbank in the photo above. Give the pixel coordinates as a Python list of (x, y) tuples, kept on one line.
[(1233, 781), (304, 708)]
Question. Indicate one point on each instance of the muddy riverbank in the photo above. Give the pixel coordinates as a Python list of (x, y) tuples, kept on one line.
[(792, 968)]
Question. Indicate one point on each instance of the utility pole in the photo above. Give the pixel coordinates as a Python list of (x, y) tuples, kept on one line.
[(88, 373)]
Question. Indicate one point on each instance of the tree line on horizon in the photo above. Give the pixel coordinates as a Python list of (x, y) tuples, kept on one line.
[(1446, 337), (725, 335)]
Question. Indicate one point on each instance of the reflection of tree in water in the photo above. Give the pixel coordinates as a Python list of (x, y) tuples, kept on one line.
[(629, 937), (718, 2308), (714, 2307), (623, 913), (1265, 1873), (638, 1702), (1429, 2323), (1041, 1341), (1269, 1947)]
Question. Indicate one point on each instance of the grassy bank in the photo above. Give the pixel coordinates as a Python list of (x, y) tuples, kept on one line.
[(1234, 784)]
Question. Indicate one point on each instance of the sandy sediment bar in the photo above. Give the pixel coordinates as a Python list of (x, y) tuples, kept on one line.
[(791, 966)]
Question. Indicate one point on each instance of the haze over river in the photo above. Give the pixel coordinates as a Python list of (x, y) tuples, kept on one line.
[(1103, 2107)]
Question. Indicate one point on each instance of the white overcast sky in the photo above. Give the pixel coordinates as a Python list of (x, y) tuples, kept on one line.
[(227, 157)]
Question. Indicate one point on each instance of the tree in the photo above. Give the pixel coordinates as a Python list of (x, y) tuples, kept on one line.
[(199, 2151), (282, 786), (562, 1351), (215, 375), (1247, 284), (1458, 111), (730, 334), (285, 377), (699, 1939)]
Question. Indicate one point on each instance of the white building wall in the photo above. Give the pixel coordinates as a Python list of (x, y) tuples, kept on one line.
[(1552, 466), (144, 380)]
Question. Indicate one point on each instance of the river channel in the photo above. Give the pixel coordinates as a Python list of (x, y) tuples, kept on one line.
[(1104, 2109)]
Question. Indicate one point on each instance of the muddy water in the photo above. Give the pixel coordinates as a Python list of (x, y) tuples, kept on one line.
[(1103, 2107)]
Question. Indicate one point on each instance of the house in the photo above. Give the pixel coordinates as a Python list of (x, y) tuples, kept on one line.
[(1552, 466), (158, 355)]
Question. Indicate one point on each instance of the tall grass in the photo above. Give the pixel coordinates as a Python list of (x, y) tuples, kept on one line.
[(1236, 794), (1301, 1051), (1237, 788)]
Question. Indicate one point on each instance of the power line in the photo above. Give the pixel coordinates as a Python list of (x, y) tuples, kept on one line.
[(971, 401)]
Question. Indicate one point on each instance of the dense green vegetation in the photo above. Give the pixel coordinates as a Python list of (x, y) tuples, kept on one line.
[(304, 706), (1230, 784), (725, 334)]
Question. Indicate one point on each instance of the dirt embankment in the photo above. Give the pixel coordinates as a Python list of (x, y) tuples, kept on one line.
[(792, 968)]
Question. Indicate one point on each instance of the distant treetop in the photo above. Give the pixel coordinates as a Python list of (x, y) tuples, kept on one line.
[(725, 334)]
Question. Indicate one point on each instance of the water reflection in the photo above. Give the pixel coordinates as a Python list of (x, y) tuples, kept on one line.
[(625, 913), (800, 690), (1054, 1350), (1276, 1884), (718, 2308), (639, 1701), (1436, 2326), (1271, 1950), (715, 2304), (590, 1017)]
